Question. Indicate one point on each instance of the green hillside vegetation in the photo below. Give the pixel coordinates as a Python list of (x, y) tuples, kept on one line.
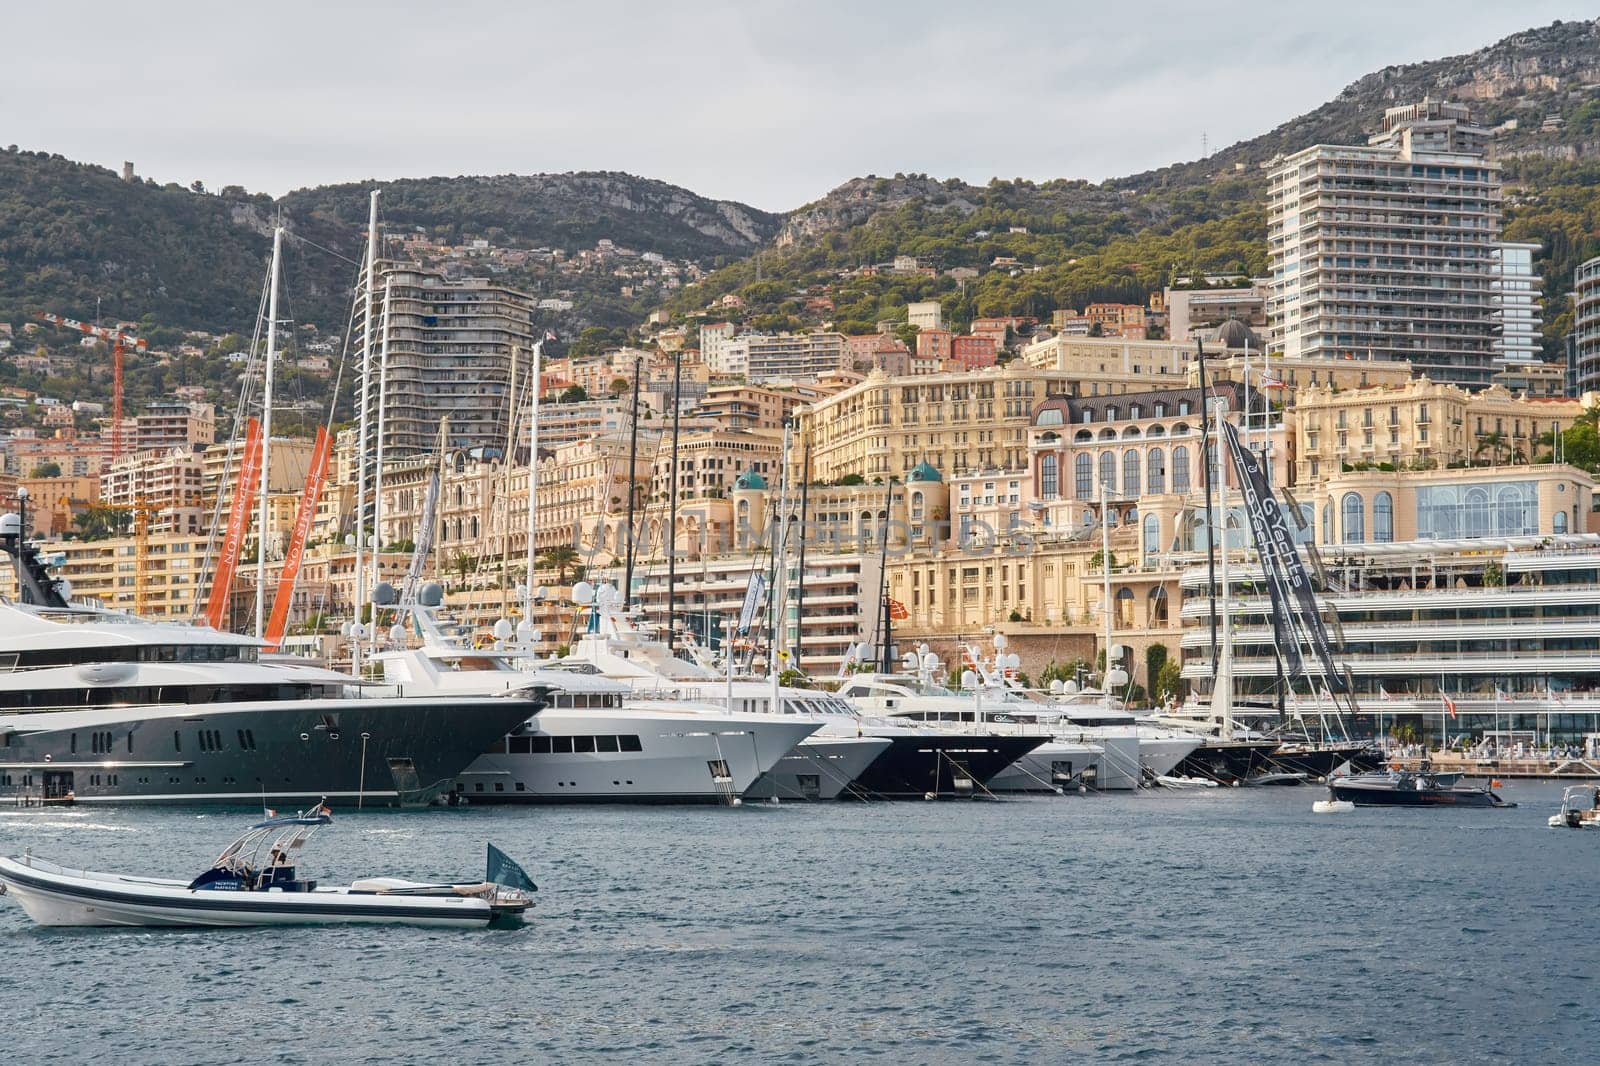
[(1085, 248), (72, 235), (551, 210)]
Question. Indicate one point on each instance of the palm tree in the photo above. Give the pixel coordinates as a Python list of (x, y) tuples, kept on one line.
[(560, 559), (1493, 443)]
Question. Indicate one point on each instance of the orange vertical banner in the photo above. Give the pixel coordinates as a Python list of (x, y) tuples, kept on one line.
[(244, 499), (303, 518)]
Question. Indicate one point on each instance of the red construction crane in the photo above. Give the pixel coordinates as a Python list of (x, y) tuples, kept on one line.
[(119, 340)]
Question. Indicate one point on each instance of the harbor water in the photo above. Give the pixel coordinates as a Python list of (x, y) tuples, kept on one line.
[(1227, 925)]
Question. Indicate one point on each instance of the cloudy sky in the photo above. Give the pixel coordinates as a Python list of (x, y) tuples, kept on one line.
[(770, 102)]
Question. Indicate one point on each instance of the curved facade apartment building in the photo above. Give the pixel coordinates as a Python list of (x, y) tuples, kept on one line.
[(450, 345), (1389, 250), (1586, 327)]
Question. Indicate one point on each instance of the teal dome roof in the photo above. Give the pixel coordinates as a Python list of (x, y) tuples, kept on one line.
[(749, 480), (924, 471)]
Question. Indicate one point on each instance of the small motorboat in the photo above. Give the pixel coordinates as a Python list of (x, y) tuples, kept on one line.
[(254, 882), (1332, 806), (1580, 808), (1406, 788), (1179, 781)]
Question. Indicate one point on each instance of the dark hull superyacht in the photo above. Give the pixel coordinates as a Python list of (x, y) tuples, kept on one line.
[(370, 752)]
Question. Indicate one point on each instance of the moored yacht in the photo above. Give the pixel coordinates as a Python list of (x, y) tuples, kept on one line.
[(919, 761), (595, 742), (1057, 760), (98, 706)]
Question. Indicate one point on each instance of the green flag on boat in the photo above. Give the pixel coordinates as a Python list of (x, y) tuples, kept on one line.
[(503, 870)]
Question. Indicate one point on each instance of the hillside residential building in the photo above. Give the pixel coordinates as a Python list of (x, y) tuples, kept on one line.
[(1191, 311), (795, 356), (1585, 344), (1389, 248), (1516, 288), (450, 345), (925, 315)]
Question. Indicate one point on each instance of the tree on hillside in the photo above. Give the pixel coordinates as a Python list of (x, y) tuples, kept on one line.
[(46, 470)]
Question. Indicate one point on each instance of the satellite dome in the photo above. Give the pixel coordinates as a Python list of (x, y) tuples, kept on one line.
[(1236, 335)]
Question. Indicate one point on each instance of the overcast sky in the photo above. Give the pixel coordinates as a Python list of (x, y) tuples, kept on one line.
[(770, 102)]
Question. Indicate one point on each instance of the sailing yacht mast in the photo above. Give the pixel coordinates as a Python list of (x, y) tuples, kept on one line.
[(356, 632), (377, 465), (672, 507), (1222, 687), (266, 436), (533, 469), (780, 568)]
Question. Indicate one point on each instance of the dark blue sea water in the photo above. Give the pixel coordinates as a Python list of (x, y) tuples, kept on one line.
[(1230, 926)]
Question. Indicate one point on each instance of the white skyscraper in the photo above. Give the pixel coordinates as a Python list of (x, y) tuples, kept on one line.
[(1388, 250), (1516, 303)]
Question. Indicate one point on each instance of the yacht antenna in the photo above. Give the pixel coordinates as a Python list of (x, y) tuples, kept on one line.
[(265, 506), (672, 506)]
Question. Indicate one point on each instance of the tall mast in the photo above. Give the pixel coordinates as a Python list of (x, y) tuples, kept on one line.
[(633, 465), (361, 435), (505, 483), (672, 507), (266, 436), (1105, 560), (533, 469), (780, 575), (885, 660), (800, 581), (377, 465), (1211, 539), (1222, 687)]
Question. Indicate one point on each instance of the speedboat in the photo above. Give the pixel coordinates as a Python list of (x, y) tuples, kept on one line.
[(255, 882), (1580, 808), (1405, 788)]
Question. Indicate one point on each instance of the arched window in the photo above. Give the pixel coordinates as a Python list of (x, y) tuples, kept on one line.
[(1476, 514), (1124, 600), (1558, 522), (1354, 518), (1305, 530), (1513, 516), (1157, 606), (1327, 523), (1180, 468), (1130, 472), (1155, 476), (1152, 535), (917, 506), (1049, 477), (1083, 470), (1108, 469), (1382, 518)]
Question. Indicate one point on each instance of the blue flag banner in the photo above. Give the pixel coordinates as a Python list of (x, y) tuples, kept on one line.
[(503, 870)]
